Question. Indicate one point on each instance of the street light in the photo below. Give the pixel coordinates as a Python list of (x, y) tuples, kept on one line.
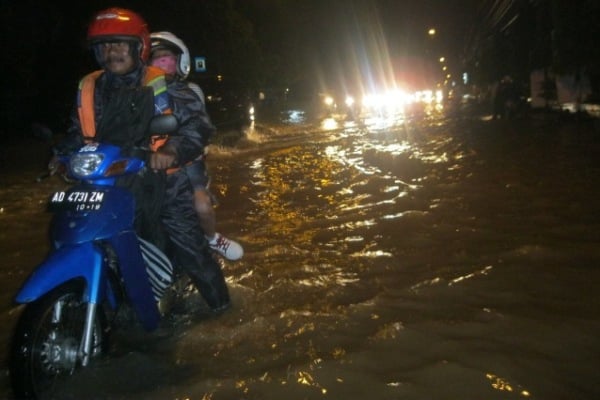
[(431, 32)]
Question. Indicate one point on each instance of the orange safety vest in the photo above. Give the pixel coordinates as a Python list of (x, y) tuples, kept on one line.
[(153, 77)]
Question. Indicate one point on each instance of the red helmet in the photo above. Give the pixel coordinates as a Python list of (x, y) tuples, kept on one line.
[(120, 24)]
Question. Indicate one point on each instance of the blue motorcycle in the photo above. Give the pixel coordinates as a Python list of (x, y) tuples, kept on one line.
[(98, 266)]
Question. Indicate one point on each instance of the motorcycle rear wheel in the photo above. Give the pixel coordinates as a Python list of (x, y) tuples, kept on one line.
[(45, 346)]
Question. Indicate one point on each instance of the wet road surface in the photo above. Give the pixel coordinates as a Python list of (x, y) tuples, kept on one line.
[(433, 259)]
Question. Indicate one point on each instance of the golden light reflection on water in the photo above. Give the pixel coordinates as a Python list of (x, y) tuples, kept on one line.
[(433, 158), (388, 331), (484, 271), (394, 148), (297, 189), (502, 384), (372, 254), (292, 179), (405, 213), (283, 203), (303, 378), (329, 124)]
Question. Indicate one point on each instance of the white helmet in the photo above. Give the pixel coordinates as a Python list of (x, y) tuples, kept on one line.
[(173, 43)]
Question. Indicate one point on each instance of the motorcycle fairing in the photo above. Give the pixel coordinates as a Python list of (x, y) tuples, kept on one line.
[(117, 214), (85, 261), (136, 279)]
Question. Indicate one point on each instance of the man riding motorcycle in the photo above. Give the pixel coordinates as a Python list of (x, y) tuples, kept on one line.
[(115, 105)]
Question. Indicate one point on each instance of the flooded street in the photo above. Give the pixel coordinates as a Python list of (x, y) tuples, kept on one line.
[(436, 259)]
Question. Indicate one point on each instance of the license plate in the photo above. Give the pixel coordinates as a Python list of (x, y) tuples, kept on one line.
[(77, 200)]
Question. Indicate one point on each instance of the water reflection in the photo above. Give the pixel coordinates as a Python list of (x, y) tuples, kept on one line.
[(329, 124), (294, 116), (422, 261)]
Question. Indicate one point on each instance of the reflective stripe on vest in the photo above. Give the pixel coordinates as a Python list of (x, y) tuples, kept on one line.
[(153, 77), (85, 104)]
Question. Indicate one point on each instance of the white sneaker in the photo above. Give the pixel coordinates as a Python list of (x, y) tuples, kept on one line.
[(226, 247)]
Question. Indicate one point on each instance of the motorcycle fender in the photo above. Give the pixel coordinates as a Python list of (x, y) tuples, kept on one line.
[(136, 279), (62, 265)]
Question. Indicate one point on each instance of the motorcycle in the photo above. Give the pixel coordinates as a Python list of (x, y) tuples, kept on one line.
[(98, 268)]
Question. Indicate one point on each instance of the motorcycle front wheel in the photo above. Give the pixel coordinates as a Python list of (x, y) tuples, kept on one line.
[(46, 343)]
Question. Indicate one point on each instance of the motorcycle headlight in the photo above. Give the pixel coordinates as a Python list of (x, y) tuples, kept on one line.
[(85, 164)]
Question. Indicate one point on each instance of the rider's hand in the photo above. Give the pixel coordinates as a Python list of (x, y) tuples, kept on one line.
[(54, 165), (163, 158)]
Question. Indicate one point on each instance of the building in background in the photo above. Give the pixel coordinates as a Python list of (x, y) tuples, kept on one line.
[(548, 46)]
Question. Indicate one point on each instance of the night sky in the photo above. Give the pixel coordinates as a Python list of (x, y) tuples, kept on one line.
[(257, 42)]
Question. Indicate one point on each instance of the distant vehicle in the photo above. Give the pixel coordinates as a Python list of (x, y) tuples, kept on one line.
[(339, 103), (229, 107), (381, 102), (408, 90)]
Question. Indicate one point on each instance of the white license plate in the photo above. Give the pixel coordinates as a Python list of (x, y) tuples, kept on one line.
[(78, 200)]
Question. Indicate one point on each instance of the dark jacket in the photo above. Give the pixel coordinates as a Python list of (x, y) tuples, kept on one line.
[(188, 106), (123, 108)]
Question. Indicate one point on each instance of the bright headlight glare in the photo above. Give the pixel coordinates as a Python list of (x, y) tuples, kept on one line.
[(84, 164)]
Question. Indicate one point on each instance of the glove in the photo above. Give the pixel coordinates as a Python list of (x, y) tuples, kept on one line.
[(163, 158), (54, 165)]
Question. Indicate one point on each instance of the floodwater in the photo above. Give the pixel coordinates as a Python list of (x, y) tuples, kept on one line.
[(433, 259)]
